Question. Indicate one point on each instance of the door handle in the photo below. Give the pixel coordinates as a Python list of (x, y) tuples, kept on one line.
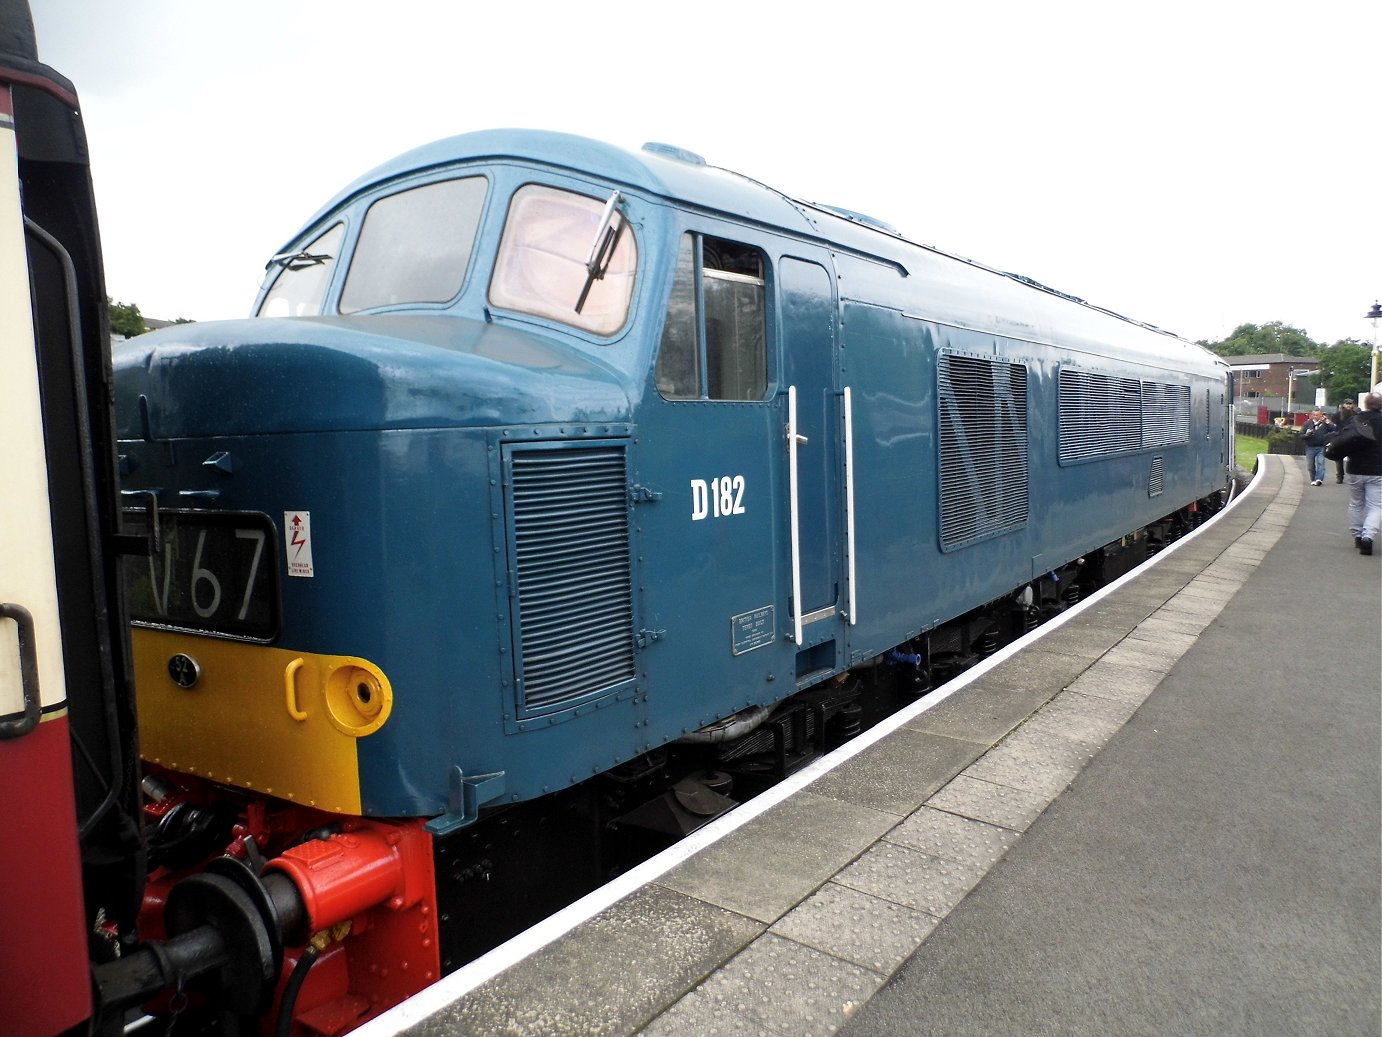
[(28, 673)]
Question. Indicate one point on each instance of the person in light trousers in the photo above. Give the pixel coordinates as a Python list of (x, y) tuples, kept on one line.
[(1361, 444)]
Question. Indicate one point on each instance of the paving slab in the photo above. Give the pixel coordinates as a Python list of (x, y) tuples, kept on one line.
[(774, 862), (1095, 712), (1027, 768), (899, 773), (1063, 746), (873, 932), (1169, 622), (911, 878), (1128, 676), (1046, 665), (955, 838), (786, 987), (981, 719), (989, 802), (1081, 641)]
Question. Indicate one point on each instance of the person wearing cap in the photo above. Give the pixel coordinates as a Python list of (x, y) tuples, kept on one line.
[(1361, 444), (1316, 432), (1348, 410)]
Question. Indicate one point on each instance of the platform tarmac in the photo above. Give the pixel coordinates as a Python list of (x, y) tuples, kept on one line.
[(1162, 816)]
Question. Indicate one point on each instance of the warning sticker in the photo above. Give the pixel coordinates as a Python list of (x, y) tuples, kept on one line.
[(298, 542)]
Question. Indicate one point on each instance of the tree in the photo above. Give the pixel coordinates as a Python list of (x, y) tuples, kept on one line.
[(125, 319), (1272, 337), (1345, 368)]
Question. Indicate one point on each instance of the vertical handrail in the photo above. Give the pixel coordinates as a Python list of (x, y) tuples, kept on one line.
[(852, 601), (27, 720), (792, 496)]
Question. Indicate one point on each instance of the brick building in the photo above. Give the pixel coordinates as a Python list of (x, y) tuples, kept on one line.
[(1265, 379)]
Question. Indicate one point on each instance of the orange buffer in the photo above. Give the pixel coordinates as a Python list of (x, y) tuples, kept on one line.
[(367, 892)]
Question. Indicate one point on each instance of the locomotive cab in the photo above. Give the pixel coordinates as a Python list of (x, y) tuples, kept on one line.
[(426, 475)]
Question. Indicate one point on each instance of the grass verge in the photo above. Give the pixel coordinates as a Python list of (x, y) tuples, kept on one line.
[(1248, 447)]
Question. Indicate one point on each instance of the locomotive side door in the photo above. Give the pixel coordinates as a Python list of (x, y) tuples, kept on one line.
[(814, 411)]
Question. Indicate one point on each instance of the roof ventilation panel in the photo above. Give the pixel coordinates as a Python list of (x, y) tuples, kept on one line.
[(673, 152)]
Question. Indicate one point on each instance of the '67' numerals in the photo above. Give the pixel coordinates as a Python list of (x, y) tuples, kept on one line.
[(204, 588)]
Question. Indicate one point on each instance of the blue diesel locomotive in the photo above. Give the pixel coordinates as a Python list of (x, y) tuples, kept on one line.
[(545, 464)]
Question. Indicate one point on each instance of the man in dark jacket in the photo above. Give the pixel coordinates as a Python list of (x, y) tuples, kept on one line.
[(1348, 410), (1361, 444), (1316, 432)]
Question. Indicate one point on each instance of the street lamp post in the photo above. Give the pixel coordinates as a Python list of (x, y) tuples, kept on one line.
[(1374, 315), (1291, 376)]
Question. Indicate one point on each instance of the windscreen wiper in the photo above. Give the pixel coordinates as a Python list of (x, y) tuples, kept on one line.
[(299, 260), (602, 248)]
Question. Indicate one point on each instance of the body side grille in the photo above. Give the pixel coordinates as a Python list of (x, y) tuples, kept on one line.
[(570, 528), (1099, 415), (1165, 414), (983, 448)]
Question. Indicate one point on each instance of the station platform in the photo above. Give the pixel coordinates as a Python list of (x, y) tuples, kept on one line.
[(1160, 813)]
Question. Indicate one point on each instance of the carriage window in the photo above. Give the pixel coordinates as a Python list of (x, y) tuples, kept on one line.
[(719, 352), (541, 267), (415, 245), (302, 277)]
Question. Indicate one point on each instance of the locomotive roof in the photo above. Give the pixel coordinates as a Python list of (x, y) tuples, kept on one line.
[(658, 169), (686, 179)]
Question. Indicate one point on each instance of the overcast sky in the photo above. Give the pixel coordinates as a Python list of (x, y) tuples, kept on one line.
[(1195, 165)]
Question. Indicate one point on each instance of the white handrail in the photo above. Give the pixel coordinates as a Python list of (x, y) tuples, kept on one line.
[(853, 604), (792, 495)]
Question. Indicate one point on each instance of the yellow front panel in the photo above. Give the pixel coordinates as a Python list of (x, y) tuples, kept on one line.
[(282, 723)]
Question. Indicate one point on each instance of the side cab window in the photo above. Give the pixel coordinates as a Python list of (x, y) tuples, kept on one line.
[(715, 342)]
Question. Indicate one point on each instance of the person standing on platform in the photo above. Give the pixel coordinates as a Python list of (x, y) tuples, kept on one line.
[(1316, 432), (1361, 444), (1348, 410)]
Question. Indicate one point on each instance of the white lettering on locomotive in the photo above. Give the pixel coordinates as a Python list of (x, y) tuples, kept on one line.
[(718, 498)]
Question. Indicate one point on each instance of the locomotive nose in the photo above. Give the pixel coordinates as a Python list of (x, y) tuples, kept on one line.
[(320, 497), (324, 374)]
